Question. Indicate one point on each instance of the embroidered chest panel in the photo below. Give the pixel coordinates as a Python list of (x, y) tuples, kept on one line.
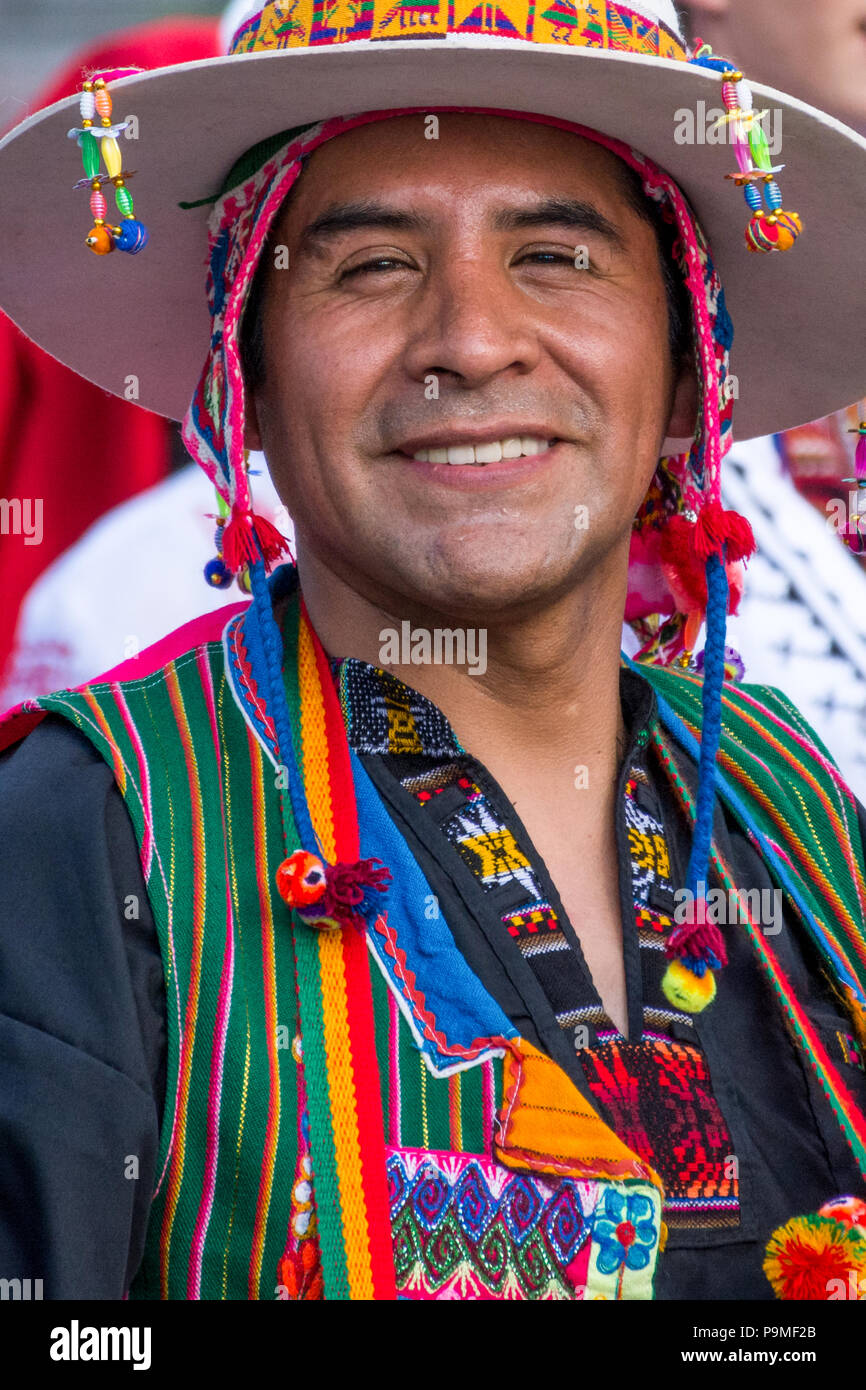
[(656, 1090)]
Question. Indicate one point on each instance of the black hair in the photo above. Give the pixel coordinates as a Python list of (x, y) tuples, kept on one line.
[(251, 341)]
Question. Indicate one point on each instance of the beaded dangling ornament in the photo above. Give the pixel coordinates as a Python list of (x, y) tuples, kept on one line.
[(853, 533), (770, 227), (131, 235), (216, 572)]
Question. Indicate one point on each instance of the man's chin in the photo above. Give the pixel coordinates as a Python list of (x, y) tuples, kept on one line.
[(476, 587)]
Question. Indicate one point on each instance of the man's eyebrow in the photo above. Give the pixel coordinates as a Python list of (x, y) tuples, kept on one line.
[(571, 213), (350, 217)]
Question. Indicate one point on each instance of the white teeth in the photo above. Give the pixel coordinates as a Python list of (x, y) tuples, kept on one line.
[(461, 453), (513, 447)]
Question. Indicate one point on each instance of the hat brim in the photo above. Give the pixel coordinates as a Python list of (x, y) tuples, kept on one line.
[(138, 326)]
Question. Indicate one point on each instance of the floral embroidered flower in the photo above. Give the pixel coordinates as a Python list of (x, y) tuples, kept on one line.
[(625, 1230)]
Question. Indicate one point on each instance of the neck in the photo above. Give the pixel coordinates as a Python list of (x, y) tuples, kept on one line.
[(539, 687)]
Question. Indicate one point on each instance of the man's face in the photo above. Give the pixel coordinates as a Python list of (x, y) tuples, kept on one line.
[(489, 285)]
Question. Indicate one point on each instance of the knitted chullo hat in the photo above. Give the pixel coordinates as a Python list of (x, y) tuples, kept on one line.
[(627, 66)]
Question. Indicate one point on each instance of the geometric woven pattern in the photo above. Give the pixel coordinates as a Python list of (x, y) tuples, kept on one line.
[(466, 1227)]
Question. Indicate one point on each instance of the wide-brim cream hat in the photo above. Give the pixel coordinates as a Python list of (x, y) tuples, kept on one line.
[(800, 326)]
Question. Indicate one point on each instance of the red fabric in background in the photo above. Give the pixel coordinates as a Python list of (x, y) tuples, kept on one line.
[(62, 439)]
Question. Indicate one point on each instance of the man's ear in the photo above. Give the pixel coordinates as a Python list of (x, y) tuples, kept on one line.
[(683, 419), (252, 433)]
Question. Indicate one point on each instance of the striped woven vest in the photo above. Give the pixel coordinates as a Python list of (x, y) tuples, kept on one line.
[(495, 1178)]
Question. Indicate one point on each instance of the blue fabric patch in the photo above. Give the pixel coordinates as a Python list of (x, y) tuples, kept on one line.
[(462, 1008)]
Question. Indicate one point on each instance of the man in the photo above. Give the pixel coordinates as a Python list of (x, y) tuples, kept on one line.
[(408, 944)]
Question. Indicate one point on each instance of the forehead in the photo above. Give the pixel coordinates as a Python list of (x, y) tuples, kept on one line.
[(489, 155)]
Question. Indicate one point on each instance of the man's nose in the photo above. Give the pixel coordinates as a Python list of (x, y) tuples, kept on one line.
[(471, 321)]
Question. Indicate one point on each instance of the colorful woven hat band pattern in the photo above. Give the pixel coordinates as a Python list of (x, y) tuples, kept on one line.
[(651, 29), (681, 521)]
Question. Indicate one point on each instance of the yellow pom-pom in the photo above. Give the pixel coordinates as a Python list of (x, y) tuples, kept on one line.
[(686, 990)]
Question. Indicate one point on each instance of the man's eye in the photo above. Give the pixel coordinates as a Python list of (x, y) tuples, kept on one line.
[(370, 265), (578, 261)]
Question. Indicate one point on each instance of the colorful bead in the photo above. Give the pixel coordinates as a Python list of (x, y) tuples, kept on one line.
[(741, 150), (131, 236), (759, 147), (773, 195), (102, 101), (98, 205), (216, 574), (753, 197), (87, 104), (89, 153), (111, 154), (773, 232), (100, 241), (124, 200)]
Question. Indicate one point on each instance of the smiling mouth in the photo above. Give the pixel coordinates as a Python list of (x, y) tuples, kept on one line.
[(493, 451)]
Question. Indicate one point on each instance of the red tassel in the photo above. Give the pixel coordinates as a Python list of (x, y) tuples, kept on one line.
[(349, 899), (677, 550), (697, 938), (716, 527), (248, 535)]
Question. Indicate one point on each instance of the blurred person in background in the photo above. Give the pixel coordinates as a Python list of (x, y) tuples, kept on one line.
[(49, 418), (801, 623)]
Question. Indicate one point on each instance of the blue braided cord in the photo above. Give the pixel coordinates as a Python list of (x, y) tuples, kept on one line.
[(725, 789), (270, 680), (711, 722)]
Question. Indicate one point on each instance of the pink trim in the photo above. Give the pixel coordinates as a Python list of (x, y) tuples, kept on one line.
[(20, 720), (209, 627), (418, 1003)]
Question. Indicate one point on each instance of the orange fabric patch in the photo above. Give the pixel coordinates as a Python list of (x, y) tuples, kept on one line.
[(547, 1125)]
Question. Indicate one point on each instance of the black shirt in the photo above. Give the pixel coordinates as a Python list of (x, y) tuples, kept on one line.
[(83, 1028)]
